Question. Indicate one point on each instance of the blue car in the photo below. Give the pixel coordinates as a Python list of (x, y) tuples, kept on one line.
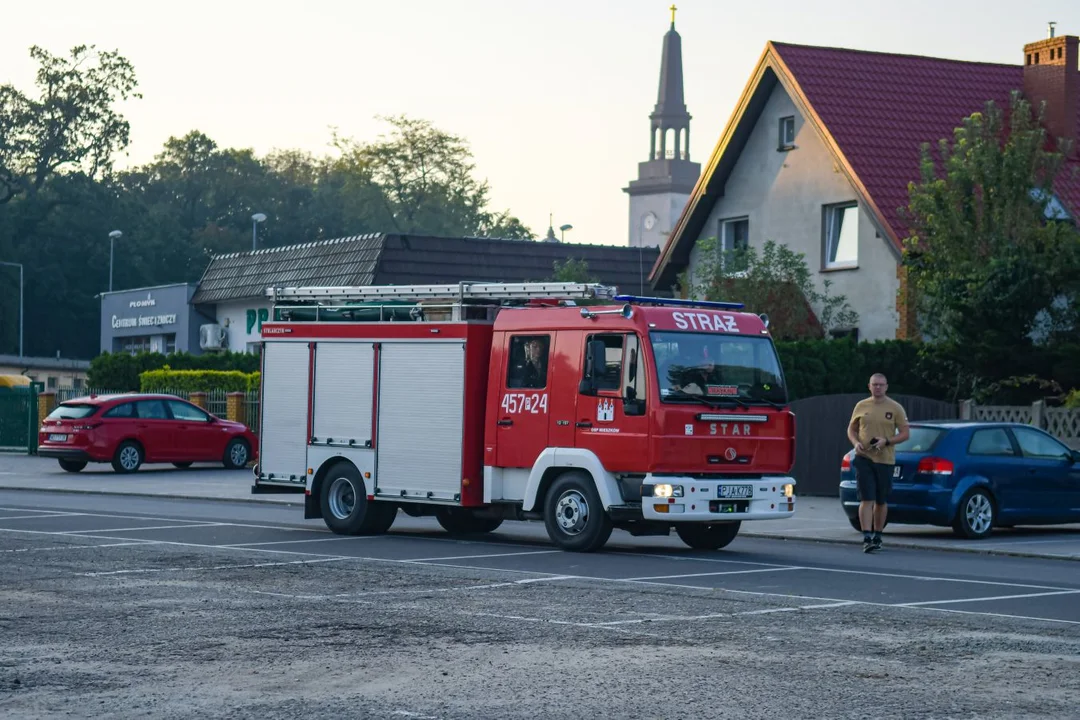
[(975, 476)]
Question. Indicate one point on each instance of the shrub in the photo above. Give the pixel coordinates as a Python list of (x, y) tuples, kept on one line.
[(167, 380), (121, 371)]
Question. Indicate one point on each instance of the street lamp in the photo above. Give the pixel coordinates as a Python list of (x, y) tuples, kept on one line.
[(562, 231), (112, 240), (255, 220), (19, 265)]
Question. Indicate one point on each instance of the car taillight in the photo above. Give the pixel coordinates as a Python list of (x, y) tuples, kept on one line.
[(934, 466), (845, 464)]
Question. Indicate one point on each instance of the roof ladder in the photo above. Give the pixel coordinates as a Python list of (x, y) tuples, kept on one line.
[(459, 291)]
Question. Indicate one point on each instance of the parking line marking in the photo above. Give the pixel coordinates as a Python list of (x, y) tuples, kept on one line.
[(73, 547), (30, 517), (297, 542), (133, 529), (999, 615), (988, 599), (138, 571), (725, 572), (435, 560)]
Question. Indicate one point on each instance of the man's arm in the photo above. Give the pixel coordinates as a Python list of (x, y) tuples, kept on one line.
[(853, 434), (904, 432)]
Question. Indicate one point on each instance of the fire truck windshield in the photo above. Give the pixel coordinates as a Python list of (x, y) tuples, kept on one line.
[(714, 368)]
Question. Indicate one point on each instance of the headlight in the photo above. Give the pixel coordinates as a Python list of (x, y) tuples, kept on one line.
[(789, 490), (667, 491)]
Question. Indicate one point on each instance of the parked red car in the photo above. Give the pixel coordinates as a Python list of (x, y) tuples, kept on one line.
[(128, 430)]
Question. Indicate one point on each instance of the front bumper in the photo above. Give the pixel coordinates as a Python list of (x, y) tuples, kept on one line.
[(701, 501)]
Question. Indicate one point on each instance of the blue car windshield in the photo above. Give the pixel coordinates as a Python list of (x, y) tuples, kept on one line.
[(713, 368)]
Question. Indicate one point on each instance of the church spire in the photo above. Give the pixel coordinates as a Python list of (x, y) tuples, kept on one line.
[(670, 112)]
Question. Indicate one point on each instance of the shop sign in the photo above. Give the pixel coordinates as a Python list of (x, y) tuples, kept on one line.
[(119, 323), (257, 316)]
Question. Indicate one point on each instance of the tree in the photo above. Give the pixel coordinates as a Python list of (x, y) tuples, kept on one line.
[(73, 126), (994, 270), (572, 270), (776, 282)]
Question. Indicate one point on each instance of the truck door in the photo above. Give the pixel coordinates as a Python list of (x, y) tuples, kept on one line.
[(522, 416), (613, 422)]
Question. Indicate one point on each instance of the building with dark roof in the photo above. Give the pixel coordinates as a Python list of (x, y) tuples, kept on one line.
[(821, 147), (233, 286)]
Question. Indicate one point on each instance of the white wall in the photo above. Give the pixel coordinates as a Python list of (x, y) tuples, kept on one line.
[(783, 194), (234, 318)]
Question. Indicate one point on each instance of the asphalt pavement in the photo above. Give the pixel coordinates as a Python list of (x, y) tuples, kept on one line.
[(816, 518)]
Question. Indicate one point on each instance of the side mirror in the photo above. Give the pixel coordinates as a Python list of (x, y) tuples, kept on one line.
[(633, 406), (595, 353), (1076, 457)]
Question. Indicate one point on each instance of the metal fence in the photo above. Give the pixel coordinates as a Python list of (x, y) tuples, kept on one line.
[(217, 401), (1062, 423), (251, 413)]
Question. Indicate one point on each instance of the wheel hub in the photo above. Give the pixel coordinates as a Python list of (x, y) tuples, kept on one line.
[(129, 458), (979, 513), (342, 498), (572, 512)]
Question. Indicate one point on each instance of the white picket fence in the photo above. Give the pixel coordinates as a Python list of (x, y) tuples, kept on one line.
[(1062, 423)]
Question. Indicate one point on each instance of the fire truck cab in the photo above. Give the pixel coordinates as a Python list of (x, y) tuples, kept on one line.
[(560, 402)]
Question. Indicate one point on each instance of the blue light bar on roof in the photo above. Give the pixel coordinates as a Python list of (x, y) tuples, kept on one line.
[(679, 302)]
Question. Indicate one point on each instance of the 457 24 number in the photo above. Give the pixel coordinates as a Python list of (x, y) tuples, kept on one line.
[(516, 403)]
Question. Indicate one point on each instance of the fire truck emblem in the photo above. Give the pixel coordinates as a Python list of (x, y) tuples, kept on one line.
[(730, 453), (605, 410)]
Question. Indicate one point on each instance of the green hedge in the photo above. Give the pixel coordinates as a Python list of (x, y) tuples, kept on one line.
[(121, 371), (196, 381)]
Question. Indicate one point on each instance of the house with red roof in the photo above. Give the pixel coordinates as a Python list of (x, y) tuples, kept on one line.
[(820, 149)]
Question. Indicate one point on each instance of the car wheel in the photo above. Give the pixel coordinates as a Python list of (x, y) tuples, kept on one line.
[(128, 457), (574, 516), (345, 507), (975, 515), (72, 465), (707, 536), (236, 454), (461, 521), (183, 465)]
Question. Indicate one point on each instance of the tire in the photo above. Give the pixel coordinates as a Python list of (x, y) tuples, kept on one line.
[(345, 507), (975, 515), (128, 458), (708, 536), (237, 454), (183, 465), (72, 466), (460, 521), (573, 514)]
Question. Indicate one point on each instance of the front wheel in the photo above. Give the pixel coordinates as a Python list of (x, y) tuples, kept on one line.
[(574, 516), (128, 457), (975, 515), (345, 507), (461, 521), (708, 536), (72, 466), (236, 454)]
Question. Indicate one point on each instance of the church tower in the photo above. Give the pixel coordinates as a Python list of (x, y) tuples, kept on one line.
[(667, 178)]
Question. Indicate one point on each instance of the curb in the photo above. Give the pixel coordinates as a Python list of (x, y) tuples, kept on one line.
[(911, 546)]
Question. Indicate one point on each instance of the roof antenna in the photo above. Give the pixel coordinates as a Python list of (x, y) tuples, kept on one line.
[(1051, 25)]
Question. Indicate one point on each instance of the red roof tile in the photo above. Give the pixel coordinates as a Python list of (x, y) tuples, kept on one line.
[(880, 108)]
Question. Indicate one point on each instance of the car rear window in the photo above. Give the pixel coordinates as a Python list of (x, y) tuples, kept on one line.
[(71, 412), (922, 439)]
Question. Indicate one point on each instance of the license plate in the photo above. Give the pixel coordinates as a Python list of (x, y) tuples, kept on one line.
[(736, 491), (57, 438), (896, 471)]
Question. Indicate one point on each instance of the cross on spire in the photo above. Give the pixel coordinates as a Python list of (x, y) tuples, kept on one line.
[(673, 9)]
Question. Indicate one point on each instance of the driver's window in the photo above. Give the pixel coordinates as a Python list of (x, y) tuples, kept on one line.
[(189, 413), (634, 369), (1034, 444), (609, 376)]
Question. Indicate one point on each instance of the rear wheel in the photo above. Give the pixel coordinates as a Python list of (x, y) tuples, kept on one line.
[(345, 507), (461, 521), (128, 457), (574, 516), (975, 515), (707, 536), (72, 465)]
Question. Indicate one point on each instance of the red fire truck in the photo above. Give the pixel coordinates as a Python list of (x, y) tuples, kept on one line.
[(482, 402)]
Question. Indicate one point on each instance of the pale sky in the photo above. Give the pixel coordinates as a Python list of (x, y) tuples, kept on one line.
[(553, 95)]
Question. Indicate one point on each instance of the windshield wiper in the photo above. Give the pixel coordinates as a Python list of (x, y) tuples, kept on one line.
[(692, 397), (766, 401)]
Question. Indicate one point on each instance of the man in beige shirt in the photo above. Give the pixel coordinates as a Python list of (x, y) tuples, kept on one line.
[(877, 424)]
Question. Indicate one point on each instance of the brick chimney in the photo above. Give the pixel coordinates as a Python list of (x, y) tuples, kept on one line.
[(1052, 75)]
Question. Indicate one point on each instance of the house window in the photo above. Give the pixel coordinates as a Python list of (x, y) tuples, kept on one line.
[(734, 235), (787, 133), (840, 333), (841, 241)]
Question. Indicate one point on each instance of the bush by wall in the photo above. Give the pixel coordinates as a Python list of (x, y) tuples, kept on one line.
[(168, 379), (121, 371)]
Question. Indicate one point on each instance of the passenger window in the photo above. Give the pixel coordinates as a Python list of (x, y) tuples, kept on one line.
[(1037, 445), (993, 441), (127, 410), (609, 377), (152, 410), (528, 362), (190, 413), (634, 377)]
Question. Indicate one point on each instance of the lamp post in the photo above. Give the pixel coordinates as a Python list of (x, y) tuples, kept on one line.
[(562, 231), (19, 265), (255, 220), (112, 240)]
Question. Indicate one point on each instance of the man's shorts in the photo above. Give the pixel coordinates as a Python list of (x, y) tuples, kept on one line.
[(874, 479)]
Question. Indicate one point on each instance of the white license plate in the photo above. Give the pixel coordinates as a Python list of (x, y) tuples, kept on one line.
[(735, 491), (896, 471), (57, 438)]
